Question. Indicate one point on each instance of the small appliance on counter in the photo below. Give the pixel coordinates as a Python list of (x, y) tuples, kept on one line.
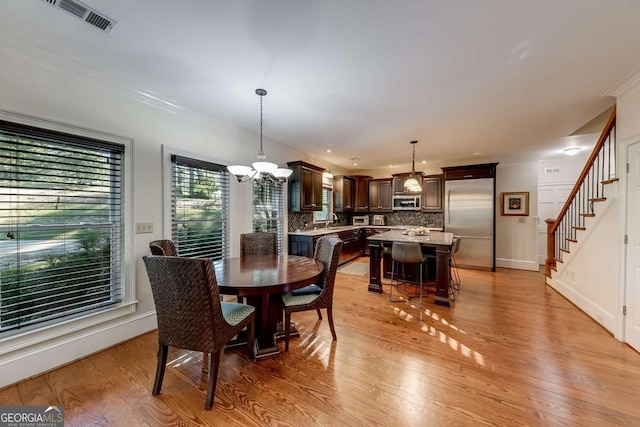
[(361, 220), (378, 220)]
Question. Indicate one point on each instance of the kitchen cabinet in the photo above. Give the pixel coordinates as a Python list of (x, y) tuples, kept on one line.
[(351, 244), (343, 194), (380, 195), (361, 197), (398, 182), (305, 187), (432, 193), (485, 170)]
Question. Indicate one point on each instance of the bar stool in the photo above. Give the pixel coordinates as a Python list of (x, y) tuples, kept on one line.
[(407, 253)]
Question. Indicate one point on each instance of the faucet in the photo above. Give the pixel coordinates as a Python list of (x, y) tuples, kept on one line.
[(332, 216)]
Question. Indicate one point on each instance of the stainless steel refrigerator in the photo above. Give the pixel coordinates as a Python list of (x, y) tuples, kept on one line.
[(469, 213)]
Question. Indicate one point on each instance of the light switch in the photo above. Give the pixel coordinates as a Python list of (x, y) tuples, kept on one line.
[(144, 227)]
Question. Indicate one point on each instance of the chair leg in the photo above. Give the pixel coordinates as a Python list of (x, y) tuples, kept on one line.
[(251, 338), (319, 313), (330, 317), (163, 351), (287, 329), (214, 363)]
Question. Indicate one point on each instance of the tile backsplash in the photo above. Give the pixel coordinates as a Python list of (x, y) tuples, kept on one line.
[(304, 220)]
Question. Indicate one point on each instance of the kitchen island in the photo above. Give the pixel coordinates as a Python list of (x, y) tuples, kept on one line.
[(437, 242)]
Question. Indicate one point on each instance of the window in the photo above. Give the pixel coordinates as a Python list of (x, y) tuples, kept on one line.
[(327, 205), (268, 208), (199, 208), (61, 226)]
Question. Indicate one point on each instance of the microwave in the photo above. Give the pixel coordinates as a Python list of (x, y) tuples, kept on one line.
[(406, 203), (361, 220)]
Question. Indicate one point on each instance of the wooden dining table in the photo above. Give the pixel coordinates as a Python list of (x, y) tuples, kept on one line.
[(261, 280)]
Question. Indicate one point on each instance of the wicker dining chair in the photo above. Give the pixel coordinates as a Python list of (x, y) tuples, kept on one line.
[(163, 247), (327, 251), (258, 243), (191, 315)]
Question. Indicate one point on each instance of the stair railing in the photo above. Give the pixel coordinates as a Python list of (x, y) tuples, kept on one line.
[(599, 171)]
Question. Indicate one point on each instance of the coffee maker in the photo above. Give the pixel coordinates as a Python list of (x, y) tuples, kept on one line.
[(378, 220)]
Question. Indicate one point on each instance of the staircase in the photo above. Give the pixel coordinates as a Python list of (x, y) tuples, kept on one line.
[(598, 173), (582, 243)]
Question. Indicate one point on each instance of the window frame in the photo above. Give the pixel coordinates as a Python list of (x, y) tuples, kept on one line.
[(43, 332)]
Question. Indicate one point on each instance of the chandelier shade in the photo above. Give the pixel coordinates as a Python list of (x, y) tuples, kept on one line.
[(260, 170), (411, 184)]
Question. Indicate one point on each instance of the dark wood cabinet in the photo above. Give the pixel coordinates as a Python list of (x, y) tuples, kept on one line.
[(485, 170), (343, 194), (361, 197), (305, 187), (368, 232), (351, 244), (432, 193), (398, 182), (380, 195)]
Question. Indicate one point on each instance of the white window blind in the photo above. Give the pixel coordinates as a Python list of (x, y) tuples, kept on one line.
[(61, 226), (200, 208), (268, 209)]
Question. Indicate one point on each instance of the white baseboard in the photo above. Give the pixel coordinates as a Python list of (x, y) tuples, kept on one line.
[(517, 264), (593, 310), (38, 359)]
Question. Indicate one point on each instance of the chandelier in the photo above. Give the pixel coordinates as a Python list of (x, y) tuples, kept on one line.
[(260, 170), (412, 183)]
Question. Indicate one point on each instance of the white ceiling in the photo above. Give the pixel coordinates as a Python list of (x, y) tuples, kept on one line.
[(471, 80)]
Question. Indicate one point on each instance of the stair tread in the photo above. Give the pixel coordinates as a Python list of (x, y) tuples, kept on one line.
[(572, 240), (589, 215), (598, 199), (579, 228), (610, 181), (565, 250)]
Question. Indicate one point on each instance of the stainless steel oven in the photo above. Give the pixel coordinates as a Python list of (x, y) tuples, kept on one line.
[(406, 203)]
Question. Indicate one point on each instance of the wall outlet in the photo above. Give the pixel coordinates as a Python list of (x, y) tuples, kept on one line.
[(144, 227)]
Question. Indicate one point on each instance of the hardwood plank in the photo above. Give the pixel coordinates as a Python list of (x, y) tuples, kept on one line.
[(511, 351), (10, 396)]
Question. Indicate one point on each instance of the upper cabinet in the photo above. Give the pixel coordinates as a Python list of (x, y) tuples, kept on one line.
[(361, 197), (432, 193), (343, 194), (485, 170), (305, 187), (380, 195), (398, 182)]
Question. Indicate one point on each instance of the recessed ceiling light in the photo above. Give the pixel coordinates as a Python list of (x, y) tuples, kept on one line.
[(476, 154), (424, 161), (391, 165), (328, 151), (571, 151)]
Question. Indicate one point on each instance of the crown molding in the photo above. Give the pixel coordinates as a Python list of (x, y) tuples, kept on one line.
[(53, 62), (628, 86)]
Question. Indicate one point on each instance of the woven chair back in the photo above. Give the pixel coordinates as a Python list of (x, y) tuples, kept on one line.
[(187, 302), (163, 247), (258, 243), (327, 251)]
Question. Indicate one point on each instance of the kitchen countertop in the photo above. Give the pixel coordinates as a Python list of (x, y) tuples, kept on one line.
[(321, 230), (435, 238)]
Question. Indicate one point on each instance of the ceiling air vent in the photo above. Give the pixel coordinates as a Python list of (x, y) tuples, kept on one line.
[(84, 12)]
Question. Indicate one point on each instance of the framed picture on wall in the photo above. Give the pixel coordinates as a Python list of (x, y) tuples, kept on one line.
[(515, 203)]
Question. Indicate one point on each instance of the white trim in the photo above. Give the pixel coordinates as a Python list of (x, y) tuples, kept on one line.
[(626, 87), (36, 337), (517, 264)]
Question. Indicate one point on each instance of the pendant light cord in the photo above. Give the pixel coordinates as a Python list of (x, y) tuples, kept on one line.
[(261, 153)]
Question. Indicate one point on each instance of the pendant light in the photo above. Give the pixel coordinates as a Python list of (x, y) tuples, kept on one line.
[(260, 170), (412, 185)]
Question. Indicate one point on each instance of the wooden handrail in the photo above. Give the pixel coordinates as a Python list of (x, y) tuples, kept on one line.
[(589, 188), (585, 171)]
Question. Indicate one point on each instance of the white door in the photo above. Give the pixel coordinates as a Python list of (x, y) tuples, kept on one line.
[(632, 319), (551, 199)]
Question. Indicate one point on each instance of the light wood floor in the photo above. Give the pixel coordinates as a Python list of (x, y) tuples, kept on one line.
[(511, 352)]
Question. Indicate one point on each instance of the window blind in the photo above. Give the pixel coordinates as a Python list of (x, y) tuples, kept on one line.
[(268, 209), (61, 226), (200, 208)]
